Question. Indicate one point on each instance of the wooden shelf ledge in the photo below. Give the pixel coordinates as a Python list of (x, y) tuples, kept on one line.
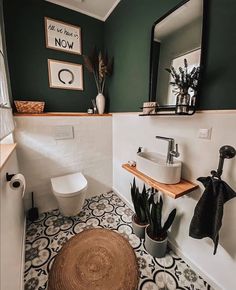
[(61, 114), (5, 152), (173, 190)]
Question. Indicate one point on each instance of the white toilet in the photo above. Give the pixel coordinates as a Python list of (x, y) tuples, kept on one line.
[(70, 191)]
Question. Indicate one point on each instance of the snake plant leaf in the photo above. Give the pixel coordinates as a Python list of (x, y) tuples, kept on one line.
[(160, 206), (133, 188), (142, 218), (139, 202), (158, 218), (151, 199), (137, 205), (154, 214), (134, 196), (144, 195), (144, 198), (169, 221), (154, 218)]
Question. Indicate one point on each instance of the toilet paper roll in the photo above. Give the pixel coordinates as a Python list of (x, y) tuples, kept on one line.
[(17, 183)]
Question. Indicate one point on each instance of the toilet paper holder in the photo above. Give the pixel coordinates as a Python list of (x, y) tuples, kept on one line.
[(16, 183), (9, 176)]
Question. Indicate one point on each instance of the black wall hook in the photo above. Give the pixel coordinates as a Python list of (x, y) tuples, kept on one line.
[(9, 176)]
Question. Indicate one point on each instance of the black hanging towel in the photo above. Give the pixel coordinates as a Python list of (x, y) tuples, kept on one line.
[(208, 213)]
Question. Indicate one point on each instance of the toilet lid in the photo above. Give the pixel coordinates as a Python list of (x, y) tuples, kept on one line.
[(68, 185)]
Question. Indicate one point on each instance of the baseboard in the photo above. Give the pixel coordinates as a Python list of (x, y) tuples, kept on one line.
[(125, 200), (22, 270), (178, 251)]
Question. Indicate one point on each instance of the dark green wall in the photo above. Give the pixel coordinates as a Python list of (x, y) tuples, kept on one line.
[(127, 37), (27, 54), (219, 88)]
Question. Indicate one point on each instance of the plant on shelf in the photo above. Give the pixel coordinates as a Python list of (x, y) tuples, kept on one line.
[(183, 81), (100, 66), (156, 234), (140, 218)]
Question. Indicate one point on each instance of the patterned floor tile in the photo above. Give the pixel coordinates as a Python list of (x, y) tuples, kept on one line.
[(45, 237)]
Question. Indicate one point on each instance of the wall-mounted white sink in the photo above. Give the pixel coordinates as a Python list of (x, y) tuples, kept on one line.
[(154, 165)]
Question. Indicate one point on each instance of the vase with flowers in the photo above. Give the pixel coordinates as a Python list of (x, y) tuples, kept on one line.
[(100, 66), (183, 82)]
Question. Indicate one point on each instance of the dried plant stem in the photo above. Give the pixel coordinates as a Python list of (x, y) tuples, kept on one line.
[(99, 65), (103, 83), (96, 81)]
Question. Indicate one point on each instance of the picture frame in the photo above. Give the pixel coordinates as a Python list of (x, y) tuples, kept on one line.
[(62, 36), (65, 75)]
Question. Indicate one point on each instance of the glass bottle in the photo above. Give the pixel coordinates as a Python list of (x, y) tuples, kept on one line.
[(182, 102)]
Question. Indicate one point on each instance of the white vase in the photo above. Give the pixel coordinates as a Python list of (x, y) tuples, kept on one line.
[(100, 102)]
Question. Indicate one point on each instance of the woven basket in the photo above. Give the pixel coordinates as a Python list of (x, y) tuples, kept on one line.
[(29, 107)]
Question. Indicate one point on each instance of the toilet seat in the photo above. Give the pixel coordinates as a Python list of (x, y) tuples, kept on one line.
[(69, 185)]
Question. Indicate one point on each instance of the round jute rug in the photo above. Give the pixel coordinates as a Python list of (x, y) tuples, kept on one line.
[(95, 259)]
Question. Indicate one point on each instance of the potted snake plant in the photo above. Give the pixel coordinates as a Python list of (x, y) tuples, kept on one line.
[(156, 234), (140, 217)]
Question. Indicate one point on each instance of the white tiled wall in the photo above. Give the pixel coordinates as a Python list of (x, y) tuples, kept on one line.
[(12, 228), (199, 157), (102, 144), (42, 157)]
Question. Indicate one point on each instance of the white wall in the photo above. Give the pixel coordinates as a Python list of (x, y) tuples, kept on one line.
[(199, 157), (12, 232), (42, 157)]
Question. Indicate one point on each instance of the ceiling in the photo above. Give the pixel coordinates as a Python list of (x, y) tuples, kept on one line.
[(181, 17), (99, 9)]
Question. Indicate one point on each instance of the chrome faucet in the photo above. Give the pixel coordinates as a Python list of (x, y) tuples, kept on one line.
[(171, 153)]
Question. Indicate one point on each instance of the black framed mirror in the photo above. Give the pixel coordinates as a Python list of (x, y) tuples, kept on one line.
[(177, 36)]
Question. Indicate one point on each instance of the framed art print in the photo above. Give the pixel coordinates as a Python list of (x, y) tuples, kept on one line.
[(65, 75), (62, 36)]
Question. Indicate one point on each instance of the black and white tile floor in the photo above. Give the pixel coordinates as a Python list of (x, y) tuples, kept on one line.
[(45, 237)]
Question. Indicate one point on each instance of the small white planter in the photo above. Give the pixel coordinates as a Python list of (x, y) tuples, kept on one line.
[(139, 230), (155, 248), (100, 102)]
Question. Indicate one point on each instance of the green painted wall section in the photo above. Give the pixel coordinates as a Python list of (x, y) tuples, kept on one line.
[(27, 53), (127, 37), (219, 87)]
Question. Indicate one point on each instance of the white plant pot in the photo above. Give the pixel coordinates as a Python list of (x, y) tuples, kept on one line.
[(100, 102), (155, 248), (139, 230)]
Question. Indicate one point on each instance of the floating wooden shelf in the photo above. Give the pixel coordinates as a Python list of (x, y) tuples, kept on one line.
[(61, 114), (5, 152), (173, 190)]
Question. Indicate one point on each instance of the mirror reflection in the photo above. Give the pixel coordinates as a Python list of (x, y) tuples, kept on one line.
[(175, 36)]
